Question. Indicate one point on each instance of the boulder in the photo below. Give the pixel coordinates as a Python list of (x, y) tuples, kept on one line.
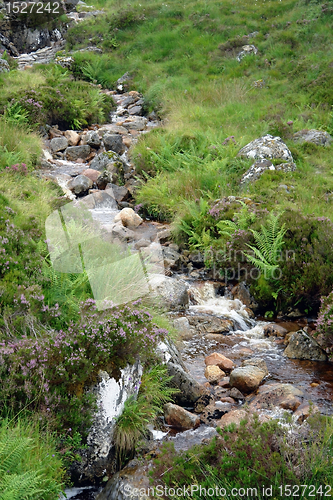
[(106, 161), (58, 144), (273, 395), (304, 411), (246, 378), (258, 362), (92, 139), (260, 166), (120, 193), (214, 374), (267, 147), (274, 330), (80, 184), (72, 137), (236, 394), (129, 218), (183, 328), (246, 50), (242, 293), (177, 416), (190, 389), (215, 411), (135, 123), (103, 179), (75, 152), (219, 360), (302, 346), (128, 484), (172, 291), (114, 142), (233, 417), (91, 174), (318, 137), (206, 323)]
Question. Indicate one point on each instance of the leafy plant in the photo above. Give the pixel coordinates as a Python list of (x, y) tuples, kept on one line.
[(16, 114), (242, 220), (269, 243)]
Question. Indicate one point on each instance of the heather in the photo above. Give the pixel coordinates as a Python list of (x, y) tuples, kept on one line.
[(52, 372)]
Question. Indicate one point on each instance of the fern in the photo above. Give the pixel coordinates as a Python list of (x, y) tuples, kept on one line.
[(243, 219), (269, 242)]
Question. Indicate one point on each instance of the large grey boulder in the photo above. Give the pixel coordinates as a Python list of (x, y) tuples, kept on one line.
[(114, 142), (267, 147), (260, 166), (80, 184), (318, 137), (172, 292), (106, 161), (302, 346), (190, 389), (75, 152), (58, 144)]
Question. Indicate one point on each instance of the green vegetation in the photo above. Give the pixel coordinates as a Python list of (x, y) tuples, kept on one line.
[(253, 455), (30, 466)]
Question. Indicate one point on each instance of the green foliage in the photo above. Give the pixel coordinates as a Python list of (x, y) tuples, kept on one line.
[(16, 114), (30, 468), (142, 409), (242, 220), (269, 243)]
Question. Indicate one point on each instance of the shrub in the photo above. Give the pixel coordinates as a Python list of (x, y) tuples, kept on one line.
[(52, 372)]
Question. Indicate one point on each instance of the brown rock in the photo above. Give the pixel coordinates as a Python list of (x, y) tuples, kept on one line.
[(283, 395), (72, 137), (236, 394), (304, 411), (91, 174), (179, 417), (275, 330), (219, 360), (206, 323), (233, 417), (225, 382), (214, 374), (246, 378), (228, 399), (213, 412), (260, 363), (128, 218)]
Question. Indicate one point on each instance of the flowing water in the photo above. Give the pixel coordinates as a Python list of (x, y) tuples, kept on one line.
[(248, 340)]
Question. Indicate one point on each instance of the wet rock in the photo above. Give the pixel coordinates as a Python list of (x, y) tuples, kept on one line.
[(106, 161), (246, 50), (135, 110), (120, 193), (91, 174), (122, 233), (72, 137), (219, 360), (114, 142), (258, 362), (80, 184), (318, 137), (133, 480), (123, 82), (302, 346), (135, 123), (213, 412), (233, 417), (242, 293), (205, 400), (172, 291), (171, 257), (267, 147), (179, 417), (225, 383), (75, 152), (269, 396), (92, 139), (58, 144), (103, 179), (304, 411), (260, 166), (246, 378), (236, 394), (227, 399), (274, 330), (206, 323), (190, 389), (183, 441), (129, 218), (213, 374)]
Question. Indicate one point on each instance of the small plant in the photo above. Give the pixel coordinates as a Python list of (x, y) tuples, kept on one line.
[(242, 220), (16, 114)]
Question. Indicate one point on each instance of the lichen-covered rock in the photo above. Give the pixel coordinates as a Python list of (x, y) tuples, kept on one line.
[(114, 142), (206, 323), (190, 389), (4, 66), (246, 50), (318, 137), (267, 147), (261, 166), (92, 139), (246, 378), (172, 291), (106, 161), (302, 346)]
